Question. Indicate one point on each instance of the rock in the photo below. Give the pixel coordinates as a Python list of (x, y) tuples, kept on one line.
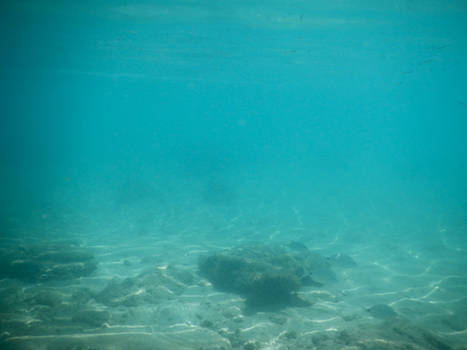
[(47, 262), (265, 275)]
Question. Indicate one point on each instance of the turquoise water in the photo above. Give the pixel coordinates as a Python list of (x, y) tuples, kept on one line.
[(150, 133)]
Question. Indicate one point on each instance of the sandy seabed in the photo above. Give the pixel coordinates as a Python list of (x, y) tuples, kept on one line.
[(136, 285)]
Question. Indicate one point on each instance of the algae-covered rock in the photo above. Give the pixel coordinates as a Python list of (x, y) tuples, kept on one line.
[(275, 288), (265, 275)]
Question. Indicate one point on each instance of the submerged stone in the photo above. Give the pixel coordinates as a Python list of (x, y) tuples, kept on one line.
[(265, 275)]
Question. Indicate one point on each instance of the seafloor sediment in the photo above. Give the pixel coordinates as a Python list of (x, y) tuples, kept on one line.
[(177, 293)]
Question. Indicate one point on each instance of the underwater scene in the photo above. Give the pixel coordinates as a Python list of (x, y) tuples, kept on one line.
[(233, 175)]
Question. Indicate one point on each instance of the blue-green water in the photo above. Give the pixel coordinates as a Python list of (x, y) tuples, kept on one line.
[(184, 126)]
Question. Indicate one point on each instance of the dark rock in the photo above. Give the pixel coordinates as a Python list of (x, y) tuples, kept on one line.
[(273, 288), (265, 275), (307, 280)]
